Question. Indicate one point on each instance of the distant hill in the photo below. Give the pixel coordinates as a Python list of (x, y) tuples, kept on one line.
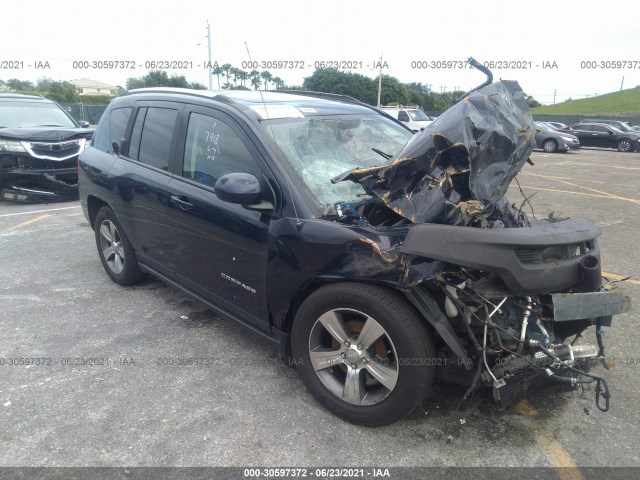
[(624, 103)]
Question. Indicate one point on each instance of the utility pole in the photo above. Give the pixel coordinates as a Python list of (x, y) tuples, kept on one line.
[(554, 96), (380, 82), (622, 83), (209, 51)]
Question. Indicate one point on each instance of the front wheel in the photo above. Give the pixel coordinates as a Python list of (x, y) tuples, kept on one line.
[(363, 352), (625, 145), (550, 146)]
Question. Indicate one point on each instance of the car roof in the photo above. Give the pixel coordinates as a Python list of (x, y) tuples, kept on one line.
[(22, 96), (313, 102)]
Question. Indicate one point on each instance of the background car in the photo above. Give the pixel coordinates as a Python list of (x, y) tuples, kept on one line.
[(556, 125), (604, 136), (412, 117), (623, 126), (551, 140), (39, 147)]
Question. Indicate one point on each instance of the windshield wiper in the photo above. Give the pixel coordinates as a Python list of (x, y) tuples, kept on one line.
[(381, 153), (50, 125)]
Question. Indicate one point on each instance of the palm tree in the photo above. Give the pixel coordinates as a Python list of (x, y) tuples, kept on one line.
[(267, 77), (236, 74), (278, 82), (255, 79), (226, 68), (243, 76), (217, 71)]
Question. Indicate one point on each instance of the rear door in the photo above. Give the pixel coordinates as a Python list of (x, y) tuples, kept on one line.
[(221, 249), (142, 178)]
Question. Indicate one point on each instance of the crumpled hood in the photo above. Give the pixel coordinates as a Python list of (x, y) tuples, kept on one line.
[(45, 134), (457, 170)]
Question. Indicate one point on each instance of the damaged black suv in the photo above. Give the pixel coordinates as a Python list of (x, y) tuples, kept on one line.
[(374, 258), (39, 147)]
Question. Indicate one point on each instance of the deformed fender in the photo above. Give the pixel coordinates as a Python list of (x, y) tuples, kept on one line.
[(426, 305)]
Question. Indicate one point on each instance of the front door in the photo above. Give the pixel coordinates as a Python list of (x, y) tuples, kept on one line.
[(221, 249)]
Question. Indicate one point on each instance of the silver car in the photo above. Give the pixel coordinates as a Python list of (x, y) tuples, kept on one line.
[(552, 141)]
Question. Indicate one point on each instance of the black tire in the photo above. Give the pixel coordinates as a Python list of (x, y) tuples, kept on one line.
[(550, 145), (393, 370), (625, 145), (115, 250)]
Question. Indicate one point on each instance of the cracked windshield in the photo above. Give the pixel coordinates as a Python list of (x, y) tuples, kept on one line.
[(322, 147)]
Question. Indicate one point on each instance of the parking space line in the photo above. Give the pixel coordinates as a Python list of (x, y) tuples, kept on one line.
[(618, 197), (38, 211), (24, 224), (614, 276), (563, 191), (558, 457)]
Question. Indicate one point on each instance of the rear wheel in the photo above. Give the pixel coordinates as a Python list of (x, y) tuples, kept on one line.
[(363, 352), (116, 253), (625, 145), (550, 146)]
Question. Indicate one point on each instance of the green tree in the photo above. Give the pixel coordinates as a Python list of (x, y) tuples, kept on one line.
[(267, 77), (532, 102), (217, 71), (226, 69), (24, 85), (58, 91), (160, 78), (255, 79), (331, 80), (278, 82)]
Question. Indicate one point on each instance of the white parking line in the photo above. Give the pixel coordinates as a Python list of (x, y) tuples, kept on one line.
[(38, 211)]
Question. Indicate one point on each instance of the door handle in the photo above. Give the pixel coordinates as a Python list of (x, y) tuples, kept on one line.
[(183, 204)]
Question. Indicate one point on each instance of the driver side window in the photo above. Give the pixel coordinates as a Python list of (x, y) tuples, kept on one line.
[(213, 149)]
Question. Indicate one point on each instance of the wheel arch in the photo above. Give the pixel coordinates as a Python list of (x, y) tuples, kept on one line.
[(94, 204), (418, 299)]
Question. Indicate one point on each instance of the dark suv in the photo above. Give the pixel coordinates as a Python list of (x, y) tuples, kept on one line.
[(39, 147), (374, 258), (604, 136)]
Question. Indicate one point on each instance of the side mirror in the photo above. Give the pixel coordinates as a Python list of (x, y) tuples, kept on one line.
[(240, 188), (83, 124)]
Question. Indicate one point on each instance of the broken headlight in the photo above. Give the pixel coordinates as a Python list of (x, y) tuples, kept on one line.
[(11, 146)]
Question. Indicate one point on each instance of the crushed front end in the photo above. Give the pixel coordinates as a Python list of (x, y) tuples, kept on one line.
[(511, 295), (39, 168), (519, 300)]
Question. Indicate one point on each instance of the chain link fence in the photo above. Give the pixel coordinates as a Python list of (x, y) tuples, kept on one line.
[(86, 112)]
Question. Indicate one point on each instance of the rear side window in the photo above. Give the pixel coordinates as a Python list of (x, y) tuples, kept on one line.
[(111, 129), (152, 135)]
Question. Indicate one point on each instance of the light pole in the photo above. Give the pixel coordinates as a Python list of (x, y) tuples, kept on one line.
[(209, 51), (380, 81), (210, 67)]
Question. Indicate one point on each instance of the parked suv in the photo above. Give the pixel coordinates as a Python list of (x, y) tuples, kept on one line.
[(374, 258), (39, 147), (604, 136)]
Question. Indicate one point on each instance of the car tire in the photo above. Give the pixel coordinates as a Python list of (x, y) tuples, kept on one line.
[(625, 145), (116, 253), (363, 352), (550, 145)]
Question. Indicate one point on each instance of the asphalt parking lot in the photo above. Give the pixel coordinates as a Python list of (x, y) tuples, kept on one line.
[(104, 395)]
